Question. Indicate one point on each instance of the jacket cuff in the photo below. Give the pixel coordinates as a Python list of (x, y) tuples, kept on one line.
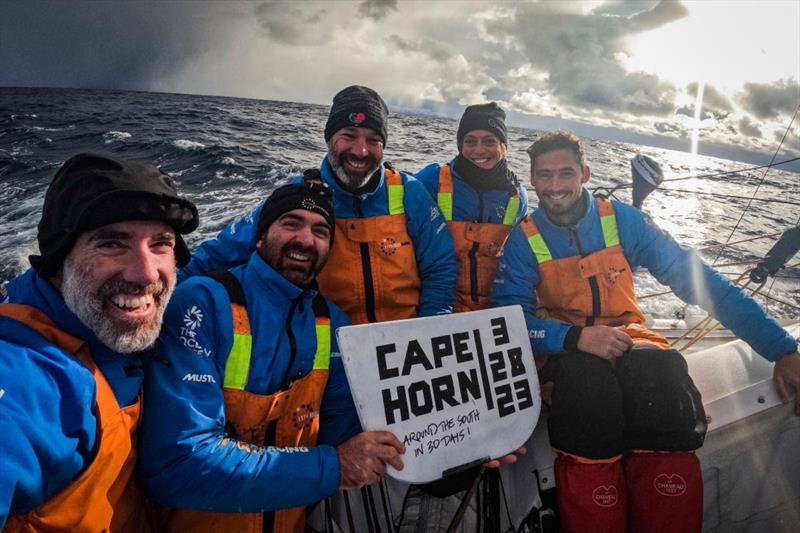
[(571, 339)]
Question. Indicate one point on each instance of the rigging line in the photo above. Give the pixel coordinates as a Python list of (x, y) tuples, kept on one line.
[(761, 182), (710, 175), (733, 196), (709, 246), (780, 301), (726, 172)]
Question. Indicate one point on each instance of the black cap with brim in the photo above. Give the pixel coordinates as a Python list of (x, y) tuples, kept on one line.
[(90, 191)]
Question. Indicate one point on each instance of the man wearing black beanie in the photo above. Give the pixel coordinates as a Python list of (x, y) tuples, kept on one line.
[(253, 350), (71, 371), (393, 257)]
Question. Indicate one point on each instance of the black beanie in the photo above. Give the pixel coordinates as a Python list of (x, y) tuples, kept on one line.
[(311, 196), (357, 106), (489, 117), (90, 191)]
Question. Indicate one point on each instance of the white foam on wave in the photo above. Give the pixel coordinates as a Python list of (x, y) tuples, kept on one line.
[(228, 161), (187, 145), (111, 136)]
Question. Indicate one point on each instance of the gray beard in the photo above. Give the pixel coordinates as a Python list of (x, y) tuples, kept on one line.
[(352, 183), (88, 307)]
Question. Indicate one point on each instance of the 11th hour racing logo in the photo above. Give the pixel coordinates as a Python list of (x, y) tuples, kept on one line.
[(192, 320)]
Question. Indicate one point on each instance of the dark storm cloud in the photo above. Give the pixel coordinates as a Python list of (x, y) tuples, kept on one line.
[(91, 44), (377, 9), (769, 100), (746, 127), (581, 54), (287, 22)]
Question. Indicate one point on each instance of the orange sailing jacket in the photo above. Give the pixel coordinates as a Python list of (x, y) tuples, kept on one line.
[(477, 246), (104, 497), (372, 274), (593, 290)]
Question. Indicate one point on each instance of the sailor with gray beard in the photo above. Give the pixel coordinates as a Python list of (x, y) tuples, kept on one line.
[(71, 334)]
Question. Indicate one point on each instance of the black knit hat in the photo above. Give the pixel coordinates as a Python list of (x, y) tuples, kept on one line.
[(311, 196), (357, 106), (90, 191), (489, 117)]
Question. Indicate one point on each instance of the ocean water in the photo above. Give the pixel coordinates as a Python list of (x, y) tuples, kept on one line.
[(227, 154)]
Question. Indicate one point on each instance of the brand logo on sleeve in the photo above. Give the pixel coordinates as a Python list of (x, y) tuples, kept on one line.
[(199, 378), (193, 320)]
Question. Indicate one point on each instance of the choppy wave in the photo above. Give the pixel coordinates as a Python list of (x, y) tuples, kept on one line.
[(187, 145), (112, 136)]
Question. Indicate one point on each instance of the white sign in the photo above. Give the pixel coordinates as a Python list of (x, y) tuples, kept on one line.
[(455, 389)]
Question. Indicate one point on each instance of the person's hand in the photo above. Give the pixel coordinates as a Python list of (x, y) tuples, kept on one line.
[(787, 372), (363, 458), (506, 459), (604, 341)]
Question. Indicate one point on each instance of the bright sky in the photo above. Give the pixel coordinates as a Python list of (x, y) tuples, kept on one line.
[(619, 69), (724, 43)]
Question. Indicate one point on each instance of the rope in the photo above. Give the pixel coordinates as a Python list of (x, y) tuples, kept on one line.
[(732, 196)]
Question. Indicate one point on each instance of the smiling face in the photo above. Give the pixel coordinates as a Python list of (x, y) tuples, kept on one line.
[(558, 180), (296, 245), (117, 280), (483, 148), (355, 154)]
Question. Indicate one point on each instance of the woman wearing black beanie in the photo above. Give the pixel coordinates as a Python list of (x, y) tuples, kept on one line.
[(480, 198)]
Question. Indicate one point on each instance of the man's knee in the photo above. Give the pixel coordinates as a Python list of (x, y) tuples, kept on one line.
[(586, 417), (663, 409)]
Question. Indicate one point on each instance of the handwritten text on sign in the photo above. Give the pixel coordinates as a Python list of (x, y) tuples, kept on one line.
[(455, 388)]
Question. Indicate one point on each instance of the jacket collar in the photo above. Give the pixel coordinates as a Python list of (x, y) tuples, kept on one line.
[(269, 282)]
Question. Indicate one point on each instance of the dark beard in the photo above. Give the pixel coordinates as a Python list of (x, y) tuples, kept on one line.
[(303, 278)]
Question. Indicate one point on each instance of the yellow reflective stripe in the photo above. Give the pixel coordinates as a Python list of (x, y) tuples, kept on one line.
[(445, 201), (396, 200), (539, 248), (610, 231), (238, 366), (322, 359), (511, 211)]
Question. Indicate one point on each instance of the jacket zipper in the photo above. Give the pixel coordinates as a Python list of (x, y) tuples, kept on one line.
[(593, 286), (270, 436), (366, 271), (473, 256)]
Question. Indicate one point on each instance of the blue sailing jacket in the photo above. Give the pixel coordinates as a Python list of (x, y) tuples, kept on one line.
[(644, 244), (186, 458)]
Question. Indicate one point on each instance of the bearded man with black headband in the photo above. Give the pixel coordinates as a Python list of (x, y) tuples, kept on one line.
[(71, 336)]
